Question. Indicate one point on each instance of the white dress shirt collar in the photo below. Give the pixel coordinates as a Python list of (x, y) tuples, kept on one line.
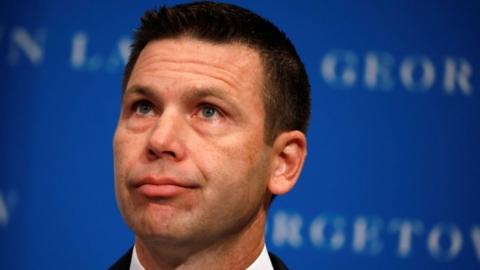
[(135, 263), (261, 263)]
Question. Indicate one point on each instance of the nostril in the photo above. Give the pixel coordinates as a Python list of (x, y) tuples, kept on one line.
[(165, 154), (152, 153), (170, 153)]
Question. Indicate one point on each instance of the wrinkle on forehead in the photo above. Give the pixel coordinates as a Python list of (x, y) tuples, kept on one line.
[(187, 55)]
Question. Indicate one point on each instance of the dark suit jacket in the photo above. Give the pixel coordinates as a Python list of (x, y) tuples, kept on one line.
[(124, 262)]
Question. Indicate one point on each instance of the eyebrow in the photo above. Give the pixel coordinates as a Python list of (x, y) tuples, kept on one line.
[(208, 92), (195, 93), (139, 90)]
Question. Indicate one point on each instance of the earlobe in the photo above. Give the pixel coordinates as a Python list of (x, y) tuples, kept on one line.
[(289, 150)]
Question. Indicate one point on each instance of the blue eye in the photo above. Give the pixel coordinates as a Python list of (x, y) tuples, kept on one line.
[(143, 107), (208, 111)]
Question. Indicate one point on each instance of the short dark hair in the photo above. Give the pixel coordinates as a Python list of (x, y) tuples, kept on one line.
[(287, 90)]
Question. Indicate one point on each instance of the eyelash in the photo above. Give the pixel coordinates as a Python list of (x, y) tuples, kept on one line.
[(136, 105), (216, 110), (201, 107)]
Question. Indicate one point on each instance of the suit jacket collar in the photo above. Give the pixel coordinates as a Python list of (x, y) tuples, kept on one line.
[(276, 262), (124, 262)]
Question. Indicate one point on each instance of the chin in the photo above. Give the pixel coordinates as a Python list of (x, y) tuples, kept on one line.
[(154, 225)]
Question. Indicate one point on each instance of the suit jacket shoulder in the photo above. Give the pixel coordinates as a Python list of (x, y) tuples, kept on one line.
[(276, 262), (124, 262)]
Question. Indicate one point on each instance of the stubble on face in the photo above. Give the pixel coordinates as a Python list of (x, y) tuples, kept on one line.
[(227, 159)]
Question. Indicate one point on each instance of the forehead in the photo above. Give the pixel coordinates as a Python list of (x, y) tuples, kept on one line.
[(233, 64)]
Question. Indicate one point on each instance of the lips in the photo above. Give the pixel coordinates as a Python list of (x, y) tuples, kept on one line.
[(162, 187)]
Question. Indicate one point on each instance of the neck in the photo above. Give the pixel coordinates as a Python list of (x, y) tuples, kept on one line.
[(236, 251)]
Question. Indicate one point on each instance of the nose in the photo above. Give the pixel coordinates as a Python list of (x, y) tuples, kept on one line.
[(166, 138)]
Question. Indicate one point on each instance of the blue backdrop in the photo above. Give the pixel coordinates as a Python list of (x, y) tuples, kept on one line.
[(392, 179)]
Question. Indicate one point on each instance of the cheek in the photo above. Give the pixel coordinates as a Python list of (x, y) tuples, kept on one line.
[(124, 152), (118, 146), (239, 170)]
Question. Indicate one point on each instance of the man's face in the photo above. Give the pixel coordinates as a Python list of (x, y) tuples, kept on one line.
[(190, 159)]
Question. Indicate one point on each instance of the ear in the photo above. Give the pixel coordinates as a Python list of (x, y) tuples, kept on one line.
[(289, 152)]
